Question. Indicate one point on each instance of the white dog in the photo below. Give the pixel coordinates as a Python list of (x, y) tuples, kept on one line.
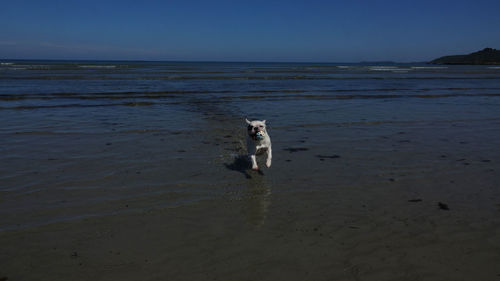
[(258, 141)]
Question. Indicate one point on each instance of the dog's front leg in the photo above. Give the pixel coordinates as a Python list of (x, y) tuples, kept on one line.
[(269, 157), (254, 162)]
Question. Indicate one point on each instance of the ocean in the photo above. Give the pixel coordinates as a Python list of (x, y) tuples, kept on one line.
[(92, 141)]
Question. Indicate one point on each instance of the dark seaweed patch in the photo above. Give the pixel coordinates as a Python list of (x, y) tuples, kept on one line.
[(443, 206), (295, 149), (334, 156)]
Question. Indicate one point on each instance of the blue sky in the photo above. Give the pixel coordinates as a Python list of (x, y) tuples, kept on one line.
[(317, 31)]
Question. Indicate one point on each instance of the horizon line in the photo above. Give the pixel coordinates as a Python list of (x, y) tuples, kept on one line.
[(3, 60)]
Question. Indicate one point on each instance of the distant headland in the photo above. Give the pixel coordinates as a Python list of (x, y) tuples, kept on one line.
[(485, 56)]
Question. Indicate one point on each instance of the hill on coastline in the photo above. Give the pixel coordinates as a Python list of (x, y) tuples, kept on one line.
[(485, 56)]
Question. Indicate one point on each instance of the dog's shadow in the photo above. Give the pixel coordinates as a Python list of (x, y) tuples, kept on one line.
[(242, 164)]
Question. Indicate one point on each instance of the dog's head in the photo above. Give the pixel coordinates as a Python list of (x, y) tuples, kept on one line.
[(256, 126)]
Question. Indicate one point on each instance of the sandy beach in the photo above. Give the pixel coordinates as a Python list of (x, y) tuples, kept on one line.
[(376, 216), (365, 232), (359, 189)]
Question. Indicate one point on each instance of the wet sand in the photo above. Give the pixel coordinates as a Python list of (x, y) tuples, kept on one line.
[(396, 202), (336, 235)]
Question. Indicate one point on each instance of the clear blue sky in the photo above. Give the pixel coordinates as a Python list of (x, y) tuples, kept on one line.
[(251, 30)]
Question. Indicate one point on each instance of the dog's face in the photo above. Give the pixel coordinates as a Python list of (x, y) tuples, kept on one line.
[(255, 126)]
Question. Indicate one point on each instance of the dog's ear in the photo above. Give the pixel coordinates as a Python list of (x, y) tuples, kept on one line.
[(264, 121), (248, 122)]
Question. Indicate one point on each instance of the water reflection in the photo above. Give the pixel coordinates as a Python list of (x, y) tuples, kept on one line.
[(257, 196), (257, 200)]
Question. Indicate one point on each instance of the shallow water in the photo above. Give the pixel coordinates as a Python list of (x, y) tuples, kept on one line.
[(83, 138)]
